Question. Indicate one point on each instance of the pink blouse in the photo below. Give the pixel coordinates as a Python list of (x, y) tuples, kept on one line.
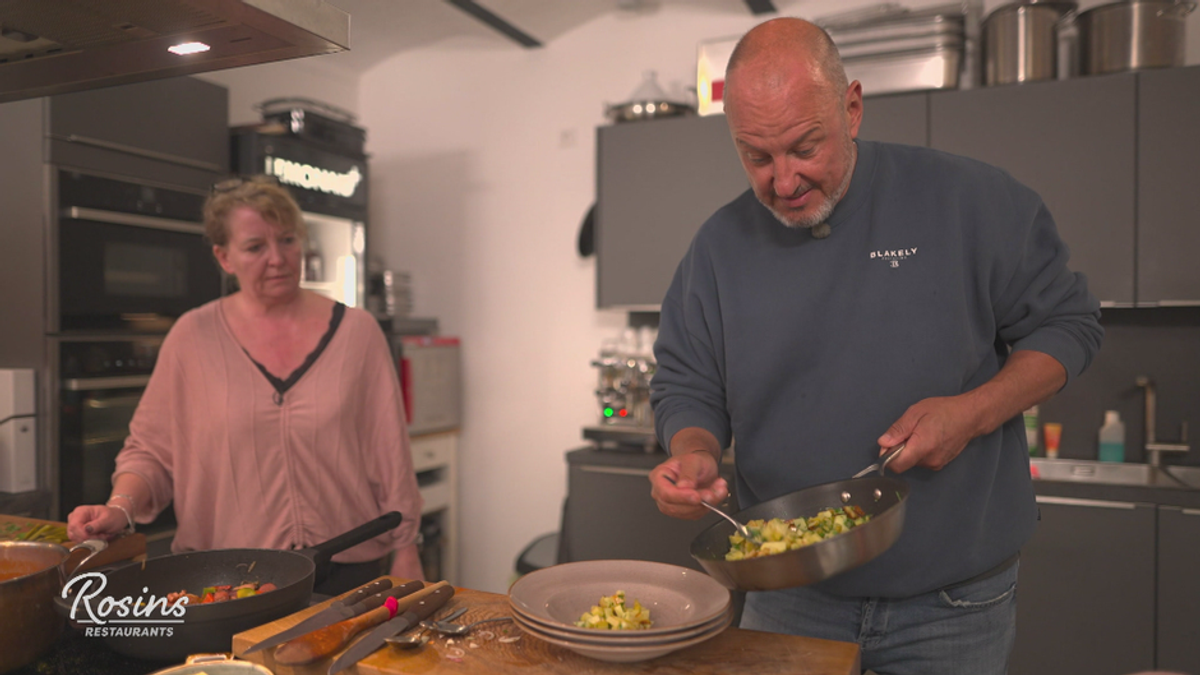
[(246, 472)]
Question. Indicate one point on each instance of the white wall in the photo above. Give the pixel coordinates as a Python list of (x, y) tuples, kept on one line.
[(482, 171), (482, 163)]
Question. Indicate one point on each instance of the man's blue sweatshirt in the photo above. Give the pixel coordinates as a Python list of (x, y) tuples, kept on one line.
[(806, 350)]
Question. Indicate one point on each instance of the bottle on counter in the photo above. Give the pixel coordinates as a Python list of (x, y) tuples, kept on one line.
[(1052, 433), (1031, 430), (1112, 438)]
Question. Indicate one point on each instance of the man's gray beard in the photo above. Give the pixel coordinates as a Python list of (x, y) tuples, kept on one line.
[(826, 209)]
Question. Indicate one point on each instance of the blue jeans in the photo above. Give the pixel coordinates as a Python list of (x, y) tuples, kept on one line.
[(968, 629)]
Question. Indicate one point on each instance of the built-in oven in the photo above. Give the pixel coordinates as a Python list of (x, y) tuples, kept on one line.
[(129, 256), (100, 384)]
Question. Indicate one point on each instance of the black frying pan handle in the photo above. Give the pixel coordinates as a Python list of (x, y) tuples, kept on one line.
[(321, 553)]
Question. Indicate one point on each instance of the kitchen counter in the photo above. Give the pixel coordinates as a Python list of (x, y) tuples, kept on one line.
[(733, 650), (1161, 495)]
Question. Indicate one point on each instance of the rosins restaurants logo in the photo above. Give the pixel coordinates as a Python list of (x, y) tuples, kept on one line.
[(143, 616)]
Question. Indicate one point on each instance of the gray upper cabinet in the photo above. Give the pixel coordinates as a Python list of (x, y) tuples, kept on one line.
[(657, 182), (175, 128), (1168, 199), (900, 118), (1073, 142)]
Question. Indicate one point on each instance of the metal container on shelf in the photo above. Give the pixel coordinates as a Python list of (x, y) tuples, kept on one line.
[(1020, 41), (890, 49), (1132, 35), (936, 68)]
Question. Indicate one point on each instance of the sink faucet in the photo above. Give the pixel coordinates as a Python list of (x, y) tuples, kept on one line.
[(1153, 448)]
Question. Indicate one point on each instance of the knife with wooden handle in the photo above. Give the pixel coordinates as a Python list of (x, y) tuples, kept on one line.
[(358, 602), (422, 609), (324, 642)]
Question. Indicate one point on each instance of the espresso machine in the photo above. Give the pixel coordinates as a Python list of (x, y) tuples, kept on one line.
[(624, 370)]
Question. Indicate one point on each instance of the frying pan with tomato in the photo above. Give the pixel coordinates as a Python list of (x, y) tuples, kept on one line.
[(210, 627)]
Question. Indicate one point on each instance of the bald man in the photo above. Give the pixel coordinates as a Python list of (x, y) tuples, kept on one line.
[(858, 297)]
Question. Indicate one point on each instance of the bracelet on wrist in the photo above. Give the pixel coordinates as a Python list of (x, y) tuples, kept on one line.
[(128, 498), (128, 518)]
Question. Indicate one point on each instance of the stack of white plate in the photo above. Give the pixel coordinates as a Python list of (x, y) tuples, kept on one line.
[(686, 607)]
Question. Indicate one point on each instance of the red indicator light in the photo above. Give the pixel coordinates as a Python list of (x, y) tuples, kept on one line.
[(623, 413)]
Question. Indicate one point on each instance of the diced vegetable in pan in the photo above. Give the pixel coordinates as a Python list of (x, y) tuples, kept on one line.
[(780, 535), (221, 593), (613, 614)]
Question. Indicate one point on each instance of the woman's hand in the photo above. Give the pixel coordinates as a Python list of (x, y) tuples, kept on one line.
[(96, 521)]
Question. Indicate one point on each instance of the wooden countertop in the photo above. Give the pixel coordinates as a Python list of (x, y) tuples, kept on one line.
[(731, 651), (127, 547)]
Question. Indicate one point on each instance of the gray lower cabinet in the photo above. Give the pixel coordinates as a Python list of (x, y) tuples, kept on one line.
[(1178, 589), (1168, 201), (1072, 141), (1085, 593)]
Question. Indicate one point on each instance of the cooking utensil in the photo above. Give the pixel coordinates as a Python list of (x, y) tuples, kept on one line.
[(35, 575), (1020, 41), (376, 638), (209, 628), (325, 641), (745, 531), (340, 610), (446, 628), (420, 638), (1132, 35), (880, 497)]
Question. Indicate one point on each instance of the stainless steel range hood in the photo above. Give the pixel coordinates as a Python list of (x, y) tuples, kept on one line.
[(56, 46)]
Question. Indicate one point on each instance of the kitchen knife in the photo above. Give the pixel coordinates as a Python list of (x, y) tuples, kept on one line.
[(375, 639), (327, 641), (363, 599)]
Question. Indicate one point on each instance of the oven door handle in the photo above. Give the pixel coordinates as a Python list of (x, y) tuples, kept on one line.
[(101, 383), (114, 402), (132, 219)]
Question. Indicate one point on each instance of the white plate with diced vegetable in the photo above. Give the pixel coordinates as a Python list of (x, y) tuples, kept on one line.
[(673, 599)]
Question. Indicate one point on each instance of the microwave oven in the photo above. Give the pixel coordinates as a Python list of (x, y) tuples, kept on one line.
[(431, 381), (128, 256)]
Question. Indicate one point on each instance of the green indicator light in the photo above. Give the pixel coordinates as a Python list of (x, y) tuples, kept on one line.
[(608, 412)]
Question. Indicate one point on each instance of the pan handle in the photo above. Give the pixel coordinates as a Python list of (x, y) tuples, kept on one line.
[(882, 463), (321, 553)]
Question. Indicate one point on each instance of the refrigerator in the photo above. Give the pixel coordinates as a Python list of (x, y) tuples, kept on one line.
[(322, 163)]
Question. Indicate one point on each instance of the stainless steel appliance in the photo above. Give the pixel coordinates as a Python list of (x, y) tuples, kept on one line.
[(130, 255), (101, 381), (321, 161)]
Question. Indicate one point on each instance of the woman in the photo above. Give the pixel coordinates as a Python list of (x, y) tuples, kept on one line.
[(273, 418)]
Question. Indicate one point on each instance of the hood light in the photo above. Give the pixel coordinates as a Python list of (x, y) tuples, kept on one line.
[(185, 48)]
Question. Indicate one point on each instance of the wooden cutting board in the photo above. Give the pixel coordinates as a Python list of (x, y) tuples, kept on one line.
[(504, 649), (126, 547)]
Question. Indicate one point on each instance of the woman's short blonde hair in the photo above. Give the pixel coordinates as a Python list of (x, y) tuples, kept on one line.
[(264, 194)]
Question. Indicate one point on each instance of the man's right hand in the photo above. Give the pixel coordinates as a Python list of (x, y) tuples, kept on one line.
[(691, 474)]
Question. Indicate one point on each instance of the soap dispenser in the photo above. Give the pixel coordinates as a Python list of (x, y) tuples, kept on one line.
[(1112, 438)]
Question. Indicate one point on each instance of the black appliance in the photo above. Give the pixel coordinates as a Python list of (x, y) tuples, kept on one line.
[(101, 381), (131, 256)]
